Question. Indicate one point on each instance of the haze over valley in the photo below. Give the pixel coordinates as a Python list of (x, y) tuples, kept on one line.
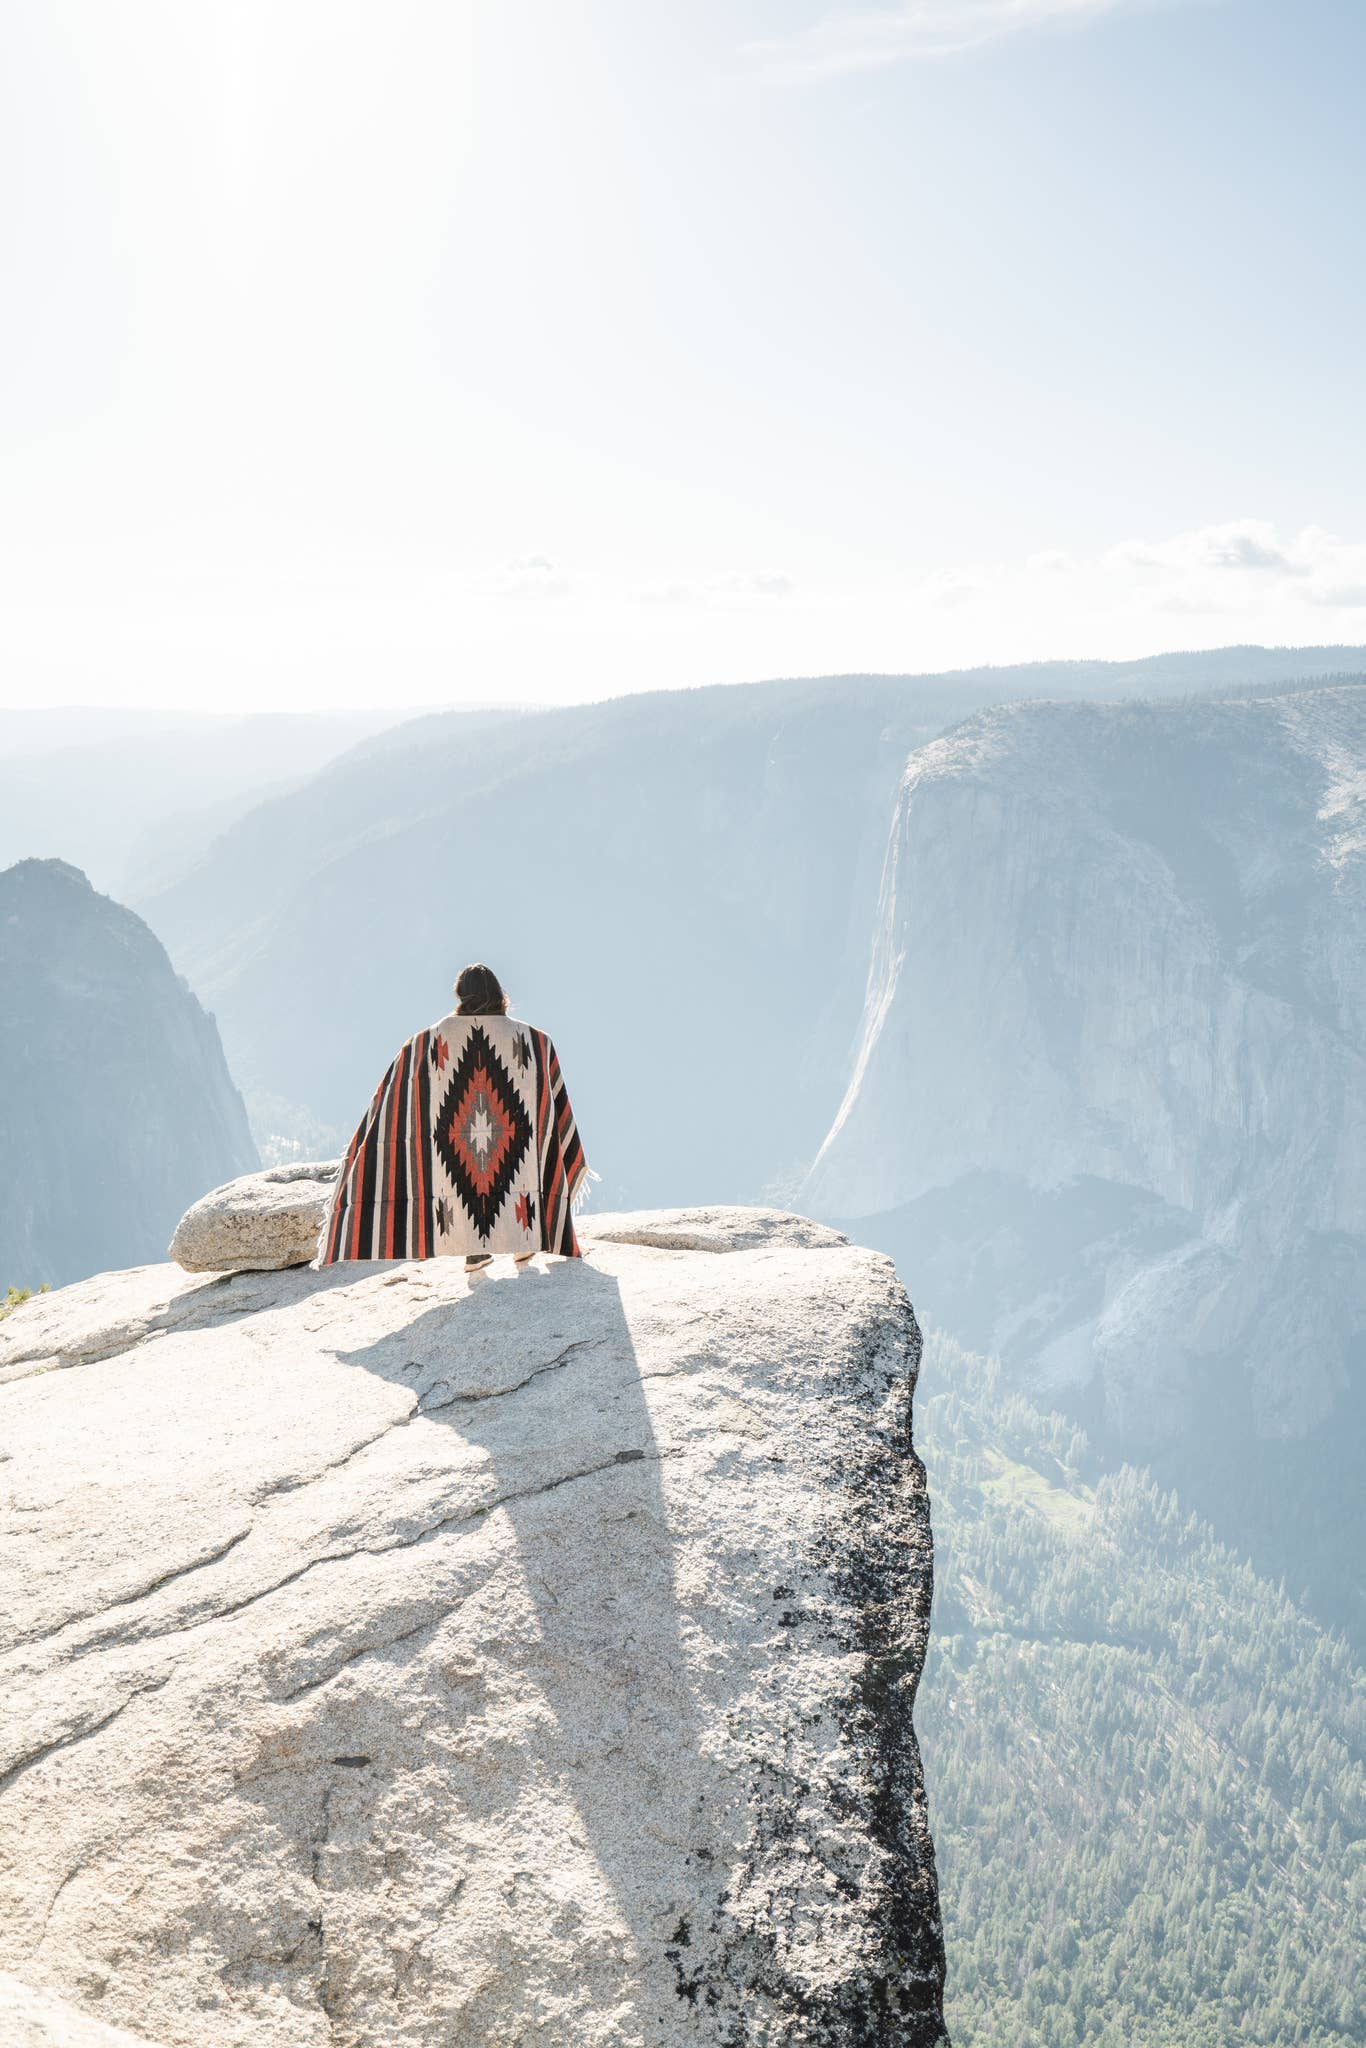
[(1047, 981), (814, 1498)]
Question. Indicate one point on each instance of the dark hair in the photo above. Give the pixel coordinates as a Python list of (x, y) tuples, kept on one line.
[(479, 993)]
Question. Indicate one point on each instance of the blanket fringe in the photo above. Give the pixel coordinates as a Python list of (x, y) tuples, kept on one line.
[(579, 1199)]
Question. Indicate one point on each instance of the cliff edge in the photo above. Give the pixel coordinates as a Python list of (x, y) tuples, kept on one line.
[(116, 1104), (394, 1656), (1127, 1140)]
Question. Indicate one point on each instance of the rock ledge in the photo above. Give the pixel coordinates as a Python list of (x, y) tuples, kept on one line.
[(412, 1659), (263, 1222)]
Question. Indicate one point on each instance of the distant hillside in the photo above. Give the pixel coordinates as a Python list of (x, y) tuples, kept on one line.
[(133, 798), (681, 882), (116, 1106), (677, 886), (1144, 1762), (1108, 1105)]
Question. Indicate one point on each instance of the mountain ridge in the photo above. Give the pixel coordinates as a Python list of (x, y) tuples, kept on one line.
[(115, 1100)]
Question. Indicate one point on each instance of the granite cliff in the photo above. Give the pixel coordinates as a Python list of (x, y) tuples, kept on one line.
[(396, 1656), (116, 1105), (1125, 1146)]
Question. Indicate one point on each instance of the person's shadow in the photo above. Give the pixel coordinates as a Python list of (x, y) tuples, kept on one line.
[(537, 1370)]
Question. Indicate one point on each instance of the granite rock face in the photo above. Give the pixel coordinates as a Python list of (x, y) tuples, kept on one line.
[(260, 1222), (716, 1229), (116, 1105), (396, 1656), (1125, 1145), (35, 2019)]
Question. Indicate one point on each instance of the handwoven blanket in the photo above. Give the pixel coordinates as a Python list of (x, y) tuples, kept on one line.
[(468, 1146)]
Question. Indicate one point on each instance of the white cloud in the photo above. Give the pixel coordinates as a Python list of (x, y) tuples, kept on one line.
[(949, 587), (734, 585), (533, 576), (1241, 566), (872, 38), (752, 583), (1249, 544)]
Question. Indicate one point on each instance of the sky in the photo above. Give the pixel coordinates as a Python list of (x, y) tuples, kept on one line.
[(442, 351)]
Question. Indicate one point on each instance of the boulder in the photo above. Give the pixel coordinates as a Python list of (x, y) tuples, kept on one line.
[(259, 1223), (265, 1221), (395, 1655)]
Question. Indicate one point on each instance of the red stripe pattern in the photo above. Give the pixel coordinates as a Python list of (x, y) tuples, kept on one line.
[(562, 1161)]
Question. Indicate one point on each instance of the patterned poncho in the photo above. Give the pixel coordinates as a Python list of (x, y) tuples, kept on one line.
[(469, 1146)]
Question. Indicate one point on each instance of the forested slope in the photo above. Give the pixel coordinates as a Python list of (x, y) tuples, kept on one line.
[(1145, 1763)]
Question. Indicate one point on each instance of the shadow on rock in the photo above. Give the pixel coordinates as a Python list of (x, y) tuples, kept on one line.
[(536, 1368)]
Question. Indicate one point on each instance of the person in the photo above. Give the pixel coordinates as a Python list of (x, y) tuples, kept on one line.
[(469, 1145)]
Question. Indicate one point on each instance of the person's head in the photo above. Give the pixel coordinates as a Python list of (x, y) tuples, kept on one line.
[(479, 993)]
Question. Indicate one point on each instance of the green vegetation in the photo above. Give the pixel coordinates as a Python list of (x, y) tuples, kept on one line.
[(1144, 1762), (14, 1296)]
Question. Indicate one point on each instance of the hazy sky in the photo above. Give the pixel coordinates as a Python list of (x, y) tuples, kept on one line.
[(435, 349)]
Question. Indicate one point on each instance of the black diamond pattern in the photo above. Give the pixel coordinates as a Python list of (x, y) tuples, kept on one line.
[(481, 1193)]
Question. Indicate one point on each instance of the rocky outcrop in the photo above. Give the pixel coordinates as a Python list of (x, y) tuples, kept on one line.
[(717, 1229), (116, 1105), (394, 1655), (1125, 1145), (260, 1222), (264, 1221)]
